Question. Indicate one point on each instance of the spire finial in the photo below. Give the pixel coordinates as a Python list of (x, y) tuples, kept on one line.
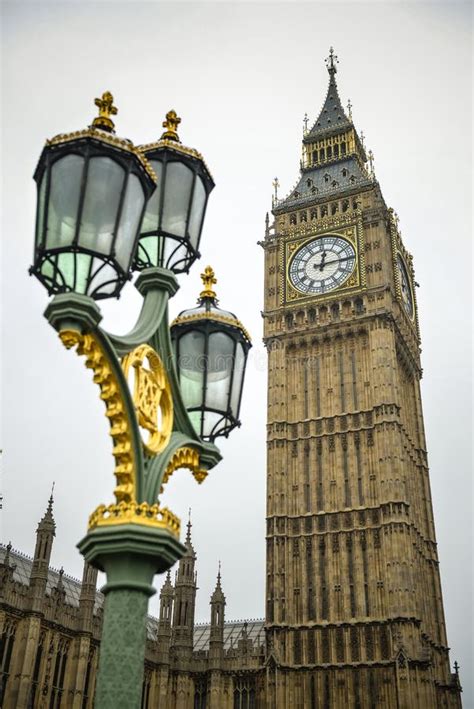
[(188, 527), (371, 163), (305, 124), (171, 124), (209, 279), (331, 62), (219, 573), (362, 139), (51, 498), (276, 185), (349, 109), (106, 109)]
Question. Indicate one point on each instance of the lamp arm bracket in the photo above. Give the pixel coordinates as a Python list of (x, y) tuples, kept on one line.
[(181, 452), (156, 285), (76, 319)]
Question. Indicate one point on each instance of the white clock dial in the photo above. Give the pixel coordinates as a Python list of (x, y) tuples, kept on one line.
[(407, 296), (322, 265)]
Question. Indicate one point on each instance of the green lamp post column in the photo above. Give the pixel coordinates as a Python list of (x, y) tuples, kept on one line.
[(86, 239)]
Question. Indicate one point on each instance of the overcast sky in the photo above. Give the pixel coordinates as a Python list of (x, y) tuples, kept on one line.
[(241, 76)]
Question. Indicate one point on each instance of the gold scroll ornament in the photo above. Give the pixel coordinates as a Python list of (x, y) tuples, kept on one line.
[(151, 396)]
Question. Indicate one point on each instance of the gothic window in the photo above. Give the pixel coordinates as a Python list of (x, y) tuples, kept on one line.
[(6, 647), (335, 183), (292, 218), (334, 207), (359, 306), (354, 204), (303, 216), (312, 315), (87, 681), (329, 151), (314, 190), (309, 182), (335, 311), (327, 177), (345, 205), (146, 689), (244, 693), (315, 156), (344, 172), (314, 213), (343, 148), (324, 210), (200, 693), (336, 151), (321, 154), (297, 647), (58, 676), (36, 672)]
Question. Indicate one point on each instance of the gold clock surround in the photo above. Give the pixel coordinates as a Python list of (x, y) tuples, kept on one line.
[(351, 232)]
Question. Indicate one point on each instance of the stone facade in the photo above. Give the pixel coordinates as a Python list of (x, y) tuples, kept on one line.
[(354, 612), (50, 629)]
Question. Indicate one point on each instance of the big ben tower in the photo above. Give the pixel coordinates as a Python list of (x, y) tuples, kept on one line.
[(354, 612)]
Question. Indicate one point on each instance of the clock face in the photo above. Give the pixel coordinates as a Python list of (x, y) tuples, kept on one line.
[(407, 297), (322, 265)]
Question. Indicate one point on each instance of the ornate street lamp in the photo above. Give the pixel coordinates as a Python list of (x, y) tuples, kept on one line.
[(211, 347), (93, 189), (171, 229)]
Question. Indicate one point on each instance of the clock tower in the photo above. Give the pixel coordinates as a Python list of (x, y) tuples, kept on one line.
[(354, 612)]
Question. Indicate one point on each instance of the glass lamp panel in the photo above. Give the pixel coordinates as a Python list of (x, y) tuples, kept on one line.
[(210, 421), (174, 253), (104, 188), (148, 250), (191, 367), (150, 219), (219, 370), (129, 221), (239, 366), (40, 214), (179, 180), (103, 278), (66, 177), (197, 209), (65, 274)]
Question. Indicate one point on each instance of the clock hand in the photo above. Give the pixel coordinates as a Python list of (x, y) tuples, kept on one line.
[(337, 260)]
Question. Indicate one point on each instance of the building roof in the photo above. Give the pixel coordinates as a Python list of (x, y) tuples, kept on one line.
[(234, 631)]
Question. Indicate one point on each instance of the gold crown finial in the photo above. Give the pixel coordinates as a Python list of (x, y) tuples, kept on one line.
[(208, 279), (171, 124), (106, 109)]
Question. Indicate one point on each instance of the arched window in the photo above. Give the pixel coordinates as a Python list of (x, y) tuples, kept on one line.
[(343, 148)]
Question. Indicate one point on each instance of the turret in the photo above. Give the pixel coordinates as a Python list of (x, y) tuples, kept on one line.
[(87, 597), (164, 621), (216, 639), (39, 571), (184, 600)]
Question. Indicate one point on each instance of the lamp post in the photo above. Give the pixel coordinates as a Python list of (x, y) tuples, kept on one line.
[(98, 216)]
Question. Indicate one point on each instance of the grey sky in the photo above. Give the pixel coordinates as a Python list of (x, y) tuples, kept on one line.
[(241, 76)]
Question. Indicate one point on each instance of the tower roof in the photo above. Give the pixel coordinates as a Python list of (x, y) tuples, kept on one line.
[(218, 594), (334, 157), (332, 115), (47, 523)]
